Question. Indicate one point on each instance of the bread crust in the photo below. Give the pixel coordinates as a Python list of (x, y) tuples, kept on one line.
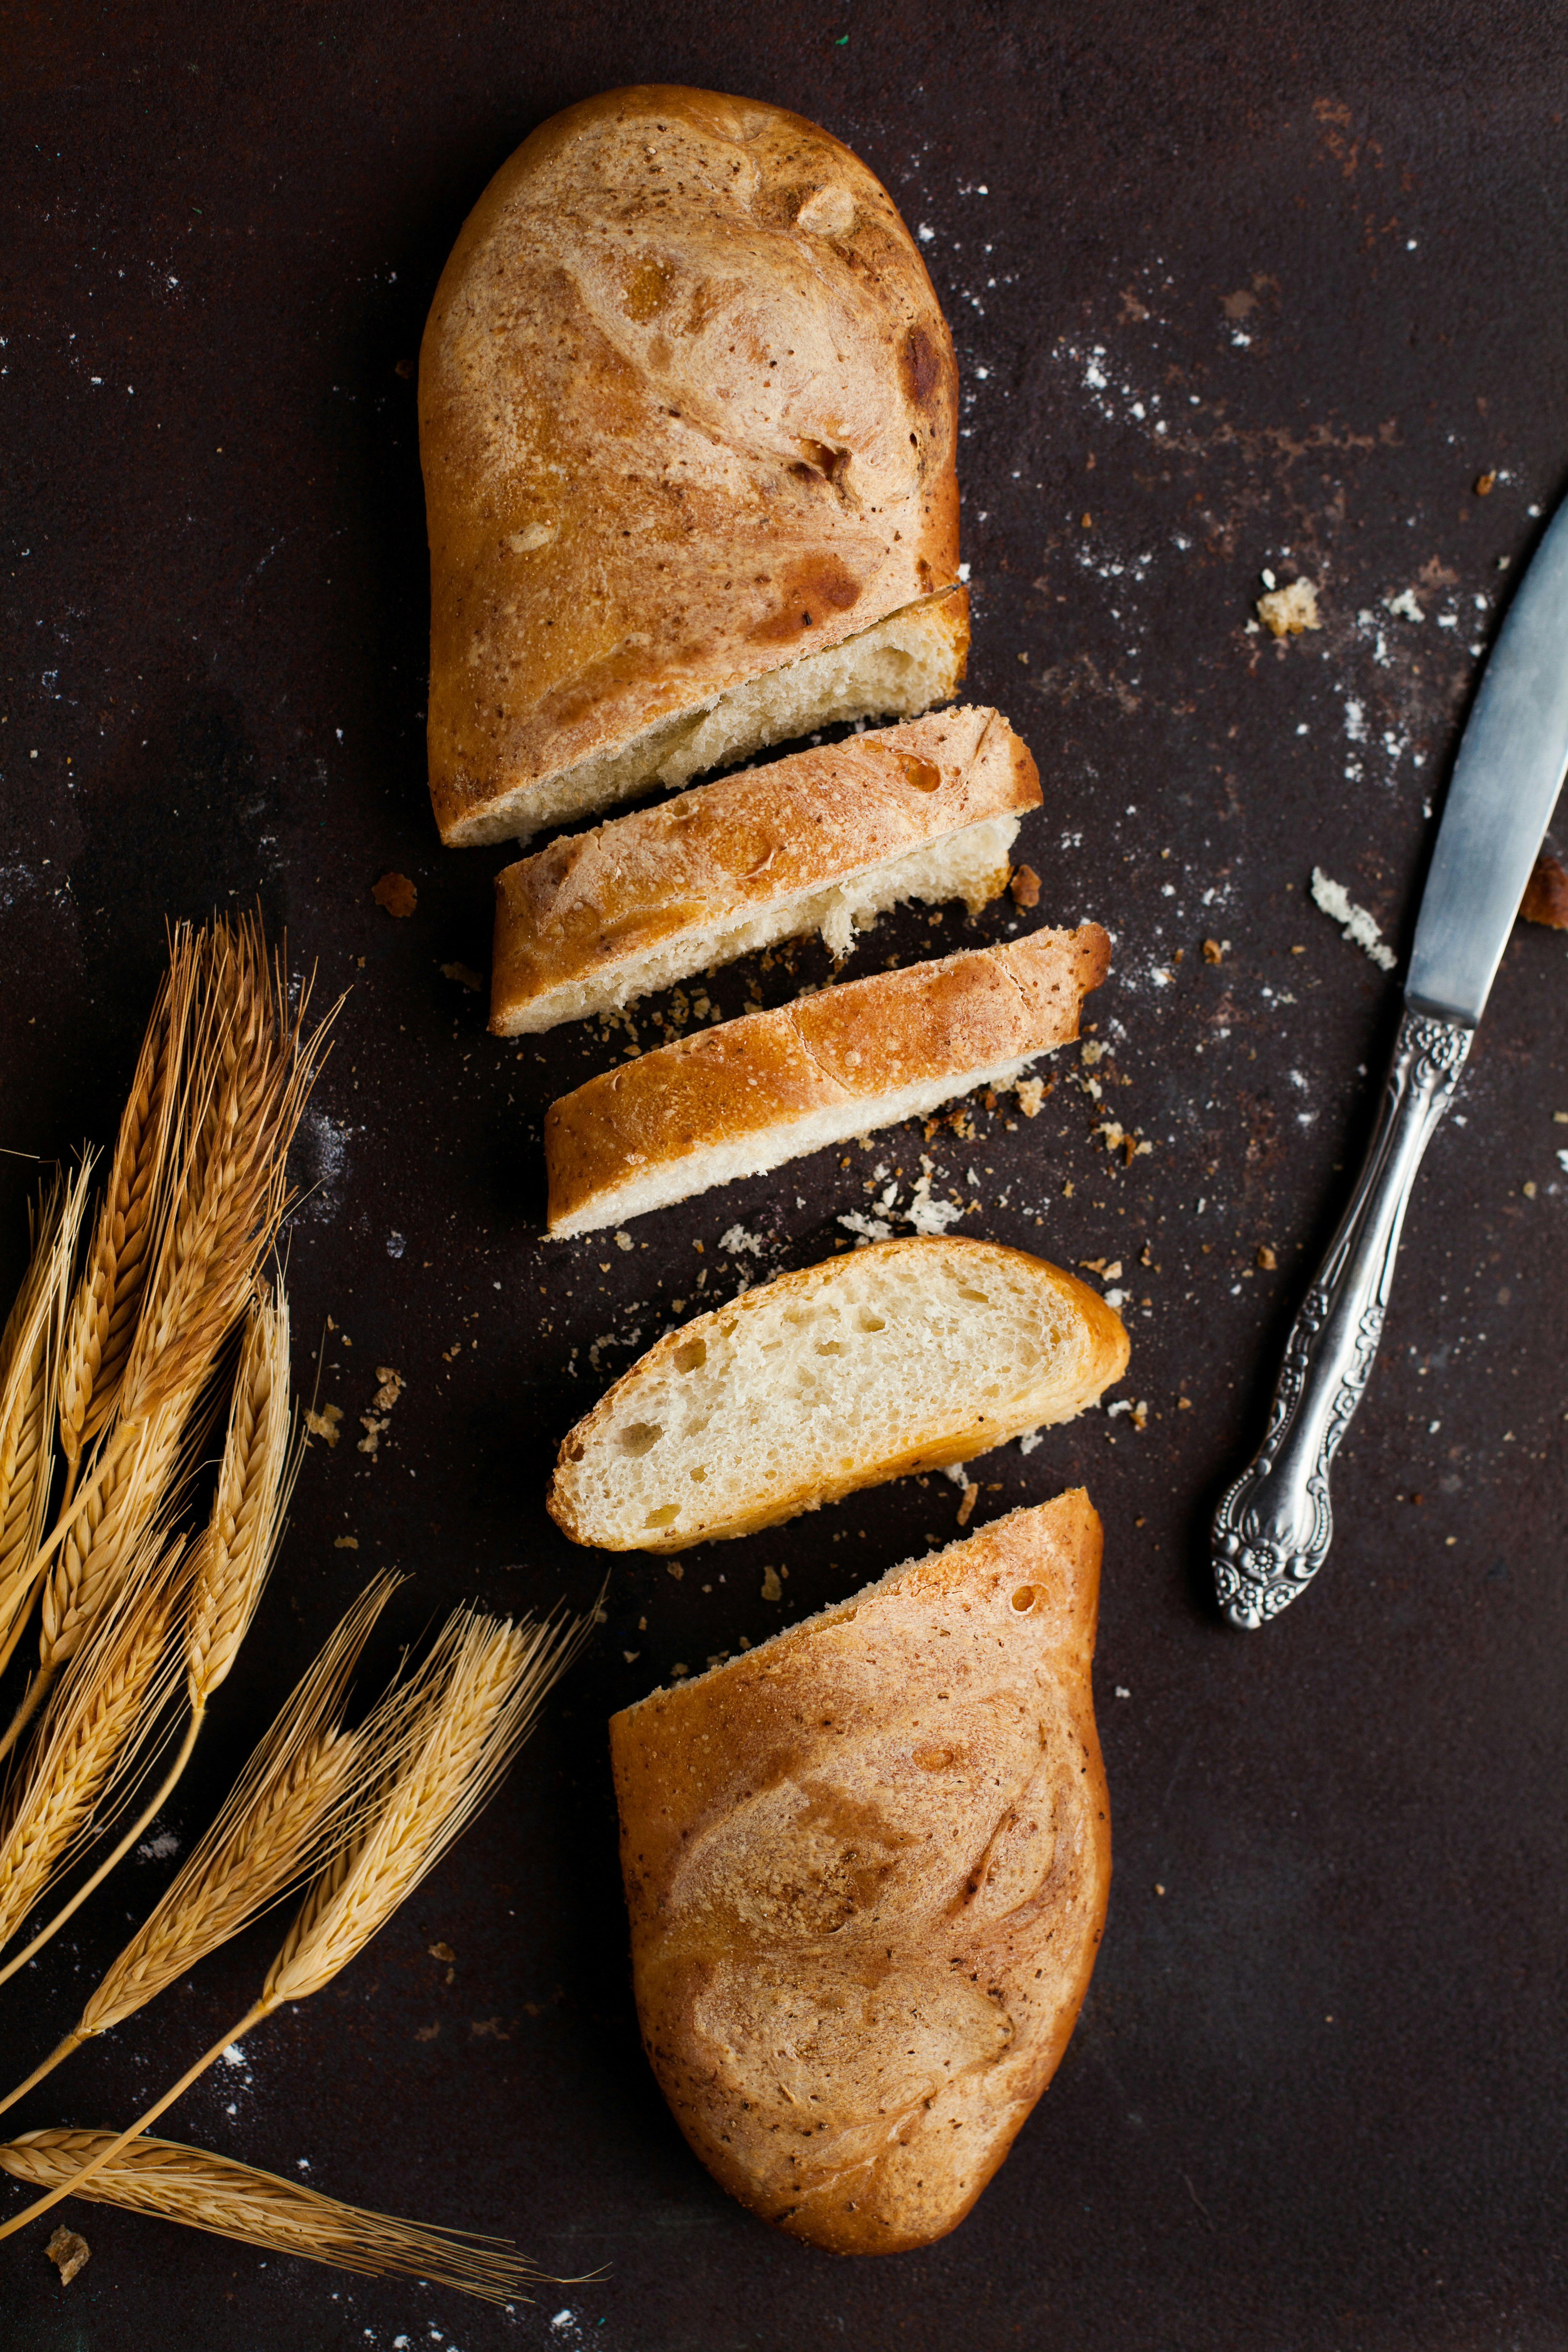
[(867, 1868), (970, 1429), (959, 1014), (582, 908), (687, 411)]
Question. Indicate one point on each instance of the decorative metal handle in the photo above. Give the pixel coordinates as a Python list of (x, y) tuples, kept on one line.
[(1272, 1532)]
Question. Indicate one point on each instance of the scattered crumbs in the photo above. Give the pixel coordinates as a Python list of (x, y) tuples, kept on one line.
[(345, 1543), (464, 975), (374, 1422), (1123, 1691), (68, 2252), (1266, 1261), (158, 1848), (1030, 1439), (1362, 929), (771, 1589), (396, 893), (1546, 896), (1214, 950), (673, 1568), (424, 2033), (442, 1952), (631, 1656), (1403, 606), (864, 1228), (1158, 1888), (1183, 1405), (1286, 611), (1025, 886), (488, 2029), (1031, 1094), (1117, 1138), (679, 1669), (738, 1239), (971, 1496), (1137, 1413), (1484, 485), (324, 1425)]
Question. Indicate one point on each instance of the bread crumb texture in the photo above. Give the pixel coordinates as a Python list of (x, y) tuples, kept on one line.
[(867, 1865), (904, 1356), (686, 350)]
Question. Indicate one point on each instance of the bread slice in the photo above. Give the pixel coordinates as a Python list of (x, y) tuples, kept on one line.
[(866, 1866), (905, 1356), (687, 421), (826, 840), (752, 1093)]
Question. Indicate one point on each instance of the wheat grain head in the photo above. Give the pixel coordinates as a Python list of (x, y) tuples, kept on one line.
[(109, 1291), (29, 1375), (270, 1832), (445, 1739), (92, 1732), (259, 1462), (235, 2201)]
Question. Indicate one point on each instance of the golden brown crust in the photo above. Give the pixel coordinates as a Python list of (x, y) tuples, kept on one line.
[(687, 411), (961, 1014), (580, 908), (867, 1868), (971, 1426)]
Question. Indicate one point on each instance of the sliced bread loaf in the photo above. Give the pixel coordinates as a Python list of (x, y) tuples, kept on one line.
[(866, 1866), (826, 840), (905, 1356), (688, 420), (752, 1093)]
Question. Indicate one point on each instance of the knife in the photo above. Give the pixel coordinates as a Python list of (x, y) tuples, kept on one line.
[(1273, 1529)]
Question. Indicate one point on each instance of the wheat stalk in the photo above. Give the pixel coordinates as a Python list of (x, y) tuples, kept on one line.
[(238, 1071), (29, 1375), (109, 1291), (442, 1742), (235, 2201), (259, 1464), (92, 1732)]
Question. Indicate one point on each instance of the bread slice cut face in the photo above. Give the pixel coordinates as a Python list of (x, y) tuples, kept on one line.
[(866, 1866), (688, 423), (745, 1096), (823, 841), (905, 1356)]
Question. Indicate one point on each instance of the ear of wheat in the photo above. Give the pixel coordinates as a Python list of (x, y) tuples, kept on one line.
[(112, 1282), (441, 1741), (197, 1191), (259, 1464), (92, 1731), (29, 1379), (235, 2201)]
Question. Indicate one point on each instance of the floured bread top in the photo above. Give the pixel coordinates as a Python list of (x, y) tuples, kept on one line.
[(686, 412)]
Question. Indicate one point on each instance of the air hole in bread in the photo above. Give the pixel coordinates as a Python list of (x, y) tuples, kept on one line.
[(1023, 1599), (978, 1295), (692, 1355), (869, 1322), (640, 1437), (831, 1348), (665, 1517)]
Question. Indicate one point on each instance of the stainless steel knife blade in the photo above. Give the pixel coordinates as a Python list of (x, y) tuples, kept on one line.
[(1499, 800), (1274, 1527)]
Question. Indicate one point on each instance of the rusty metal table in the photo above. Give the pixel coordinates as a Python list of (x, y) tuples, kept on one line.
[(1234, 290)]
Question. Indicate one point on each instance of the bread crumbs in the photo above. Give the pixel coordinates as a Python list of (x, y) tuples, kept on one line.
[(396, 893), (324, 1425)]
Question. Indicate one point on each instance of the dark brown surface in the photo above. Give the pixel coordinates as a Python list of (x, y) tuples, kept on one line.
[(1316, 2098)]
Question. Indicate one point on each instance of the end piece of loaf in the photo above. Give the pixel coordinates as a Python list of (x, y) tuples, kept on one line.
[(688, 422), (826, 840), (867, 1868), (745, 1096), (903, 1357)]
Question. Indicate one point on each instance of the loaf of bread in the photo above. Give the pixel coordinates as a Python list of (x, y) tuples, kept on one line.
[(752, 1093), (826, 840), (906, 1356), (867, 1865), (686, 419)]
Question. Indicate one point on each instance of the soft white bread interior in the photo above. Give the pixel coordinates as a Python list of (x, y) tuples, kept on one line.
[(743, 1097), (688, 422), (867, 1868), (825, 840), (905, 1356)]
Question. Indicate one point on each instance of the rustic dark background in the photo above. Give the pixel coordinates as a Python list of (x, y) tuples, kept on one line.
[(1234, 287)]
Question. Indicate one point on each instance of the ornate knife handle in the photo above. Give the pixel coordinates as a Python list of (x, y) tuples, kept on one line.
[(1272, 1532)]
